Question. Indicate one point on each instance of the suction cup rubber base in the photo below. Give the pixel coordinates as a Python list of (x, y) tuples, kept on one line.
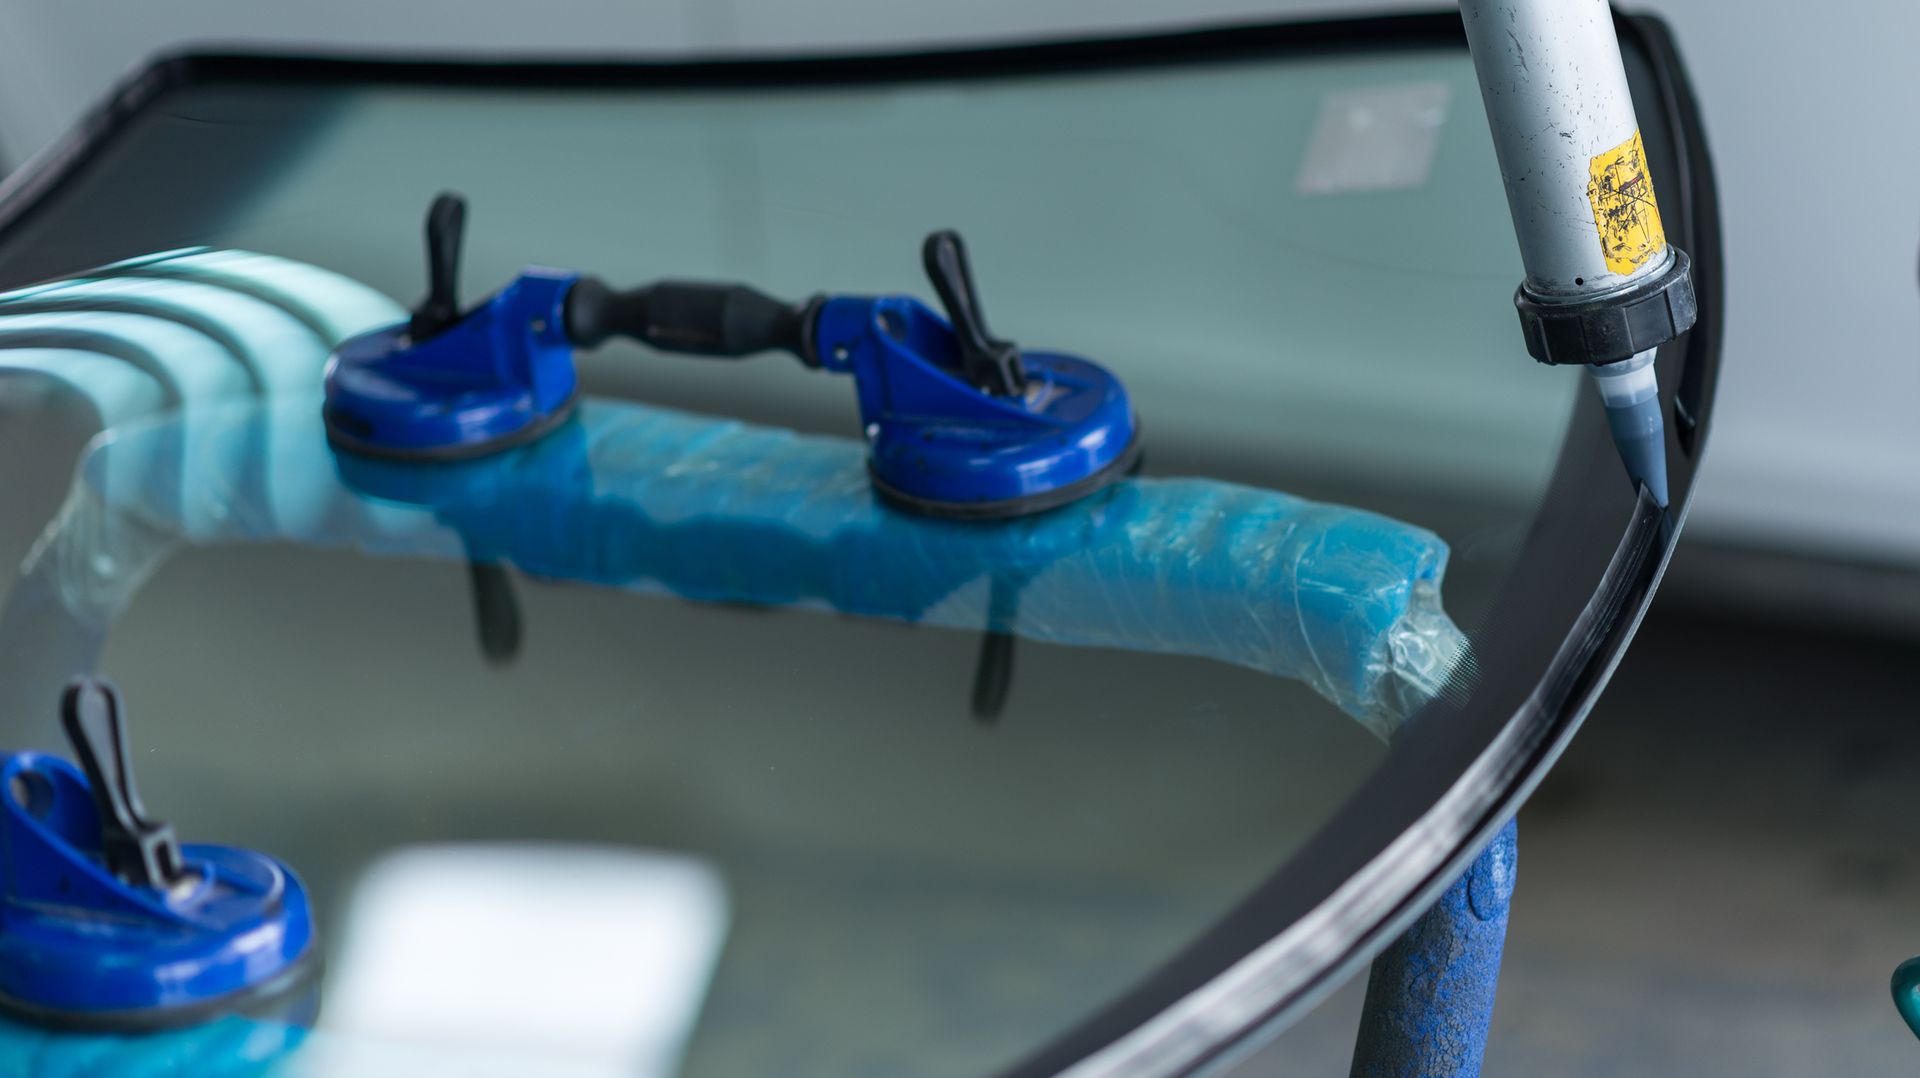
[(292, 998), (1122, 466), (532, 432)]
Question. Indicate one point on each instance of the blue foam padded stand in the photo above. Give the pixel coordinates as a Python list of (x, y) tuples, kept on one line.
[(226, 1048), (633, 496), (1430, 994), (646, 498)]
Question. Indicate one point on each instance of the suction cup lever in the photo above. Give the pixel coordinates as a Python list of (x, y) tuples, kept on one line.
[(694, 317), (446, 229), (990, 363), (137, 849), (108, 923), (451, 384)]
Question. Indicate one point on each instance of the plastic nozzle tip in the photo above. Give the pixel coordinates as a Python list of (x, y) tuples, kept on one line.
[(1644, 455), (1631, 394)]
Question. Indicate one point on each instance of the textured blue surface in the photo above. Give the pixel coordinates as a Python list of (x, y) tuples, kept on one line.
[(226, 1048), (1430, 995), (650, 499)]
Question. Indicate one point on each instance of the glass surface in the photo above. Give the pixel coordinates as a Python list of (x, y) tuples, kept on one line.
[(886, 884)]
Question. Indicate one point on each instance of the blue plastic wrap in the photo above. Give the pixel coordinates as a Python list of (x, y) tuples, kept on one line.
[(650, 499), (226, 1048)]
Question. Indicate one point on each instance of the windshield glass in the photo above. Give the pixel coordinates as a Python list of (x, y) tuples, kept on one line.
[(903, 798)]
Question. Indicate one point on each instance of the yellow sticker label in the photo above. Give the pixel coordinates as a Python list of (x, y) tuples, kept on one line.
[(1621, 190)]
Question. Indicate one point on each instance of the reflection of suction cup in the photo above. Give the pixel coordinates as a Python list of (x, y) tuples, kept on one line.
[(446, 385), (496, 613), (107, 922)]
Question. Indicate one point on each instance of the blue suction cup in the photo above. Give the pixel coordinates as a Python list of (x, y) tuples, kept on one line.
[(958, 422), (108, 923), (961, 424), (446, 385)]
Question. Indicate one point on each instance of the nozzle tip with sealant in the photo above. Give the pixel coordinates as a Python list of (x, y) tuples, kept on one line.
[(1631, 393)]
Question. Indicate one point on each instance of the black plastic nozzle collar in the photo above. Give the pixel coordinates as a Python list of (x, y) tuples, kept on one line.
[(1613, 327)]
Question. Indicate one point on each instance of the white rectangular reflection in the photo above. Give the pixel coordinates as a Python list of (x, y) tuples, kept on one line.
[(520, 959)]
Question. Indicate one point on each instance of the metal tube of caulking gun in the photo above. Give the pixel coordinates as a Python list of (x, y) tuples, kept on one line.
[(1583, 208)]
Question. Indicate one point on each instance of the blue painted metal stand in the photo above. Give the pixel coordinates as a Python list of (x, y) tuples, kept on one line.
[(1430, 995)]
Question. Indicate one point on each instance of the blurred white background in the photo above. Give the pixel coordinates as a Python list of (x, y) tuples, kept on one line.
[(1807, 111)]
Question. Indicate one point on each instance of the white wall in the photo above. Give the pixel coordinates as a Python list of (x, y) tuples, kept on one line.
[(1809, 111)]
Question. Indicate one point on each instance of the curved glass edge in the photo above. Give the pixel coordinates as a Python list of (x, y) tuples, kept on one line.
[(1405, 835), (1420, 844)]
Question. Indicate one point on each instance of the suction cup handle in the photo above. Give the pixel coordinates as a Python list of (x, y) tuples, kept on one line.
[(992, 364), (692, 317), (446, 228), (136, 849)]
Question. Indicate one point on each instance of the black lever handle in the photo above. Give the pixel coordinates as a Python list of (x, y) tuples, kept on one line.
[(990, 363), (137, 849), (695, 317), (446, 228)]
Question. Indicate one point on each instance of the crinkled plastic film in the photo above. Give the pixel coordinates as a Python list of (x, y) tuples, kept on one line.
[(637, 497), (648, 499)]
